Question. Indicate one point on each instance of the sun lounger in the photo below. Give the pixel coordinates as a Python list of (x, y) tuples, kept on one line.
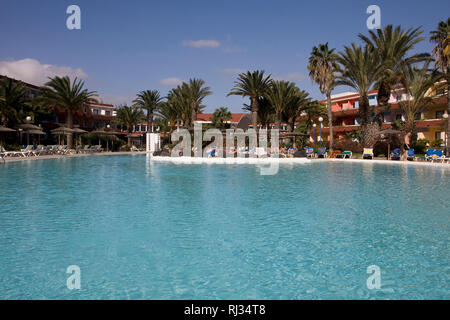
[(40, 150), (411, 155), (395, 154), (309, 152), (344, 155), (322, 152), (438, 156), (28, 150), (11, 153), (428, 155), (368, 153)]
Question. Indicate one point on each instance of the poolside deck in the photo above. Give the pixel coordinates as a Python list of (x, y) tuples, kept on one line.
[(57, 156)]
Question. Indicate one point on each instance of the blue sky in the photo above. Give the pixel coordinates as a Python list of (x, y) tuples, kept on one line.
[(127, 46)]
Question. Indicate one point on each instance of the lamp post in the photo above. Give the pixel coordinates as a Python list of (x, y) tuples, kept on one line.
[(314, 126), (320, 120), (28, 120), (107, 139), (445, 133)]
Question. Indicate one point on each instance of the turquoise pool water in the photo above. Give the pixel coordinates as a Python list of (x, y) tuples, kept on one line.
[(141, 230)]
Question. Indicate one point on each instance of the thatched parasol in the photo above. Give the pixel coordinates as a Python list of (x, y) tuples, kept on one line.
[(5, 129), (29, 126), (389, 133), (103, 132), (62, 131)]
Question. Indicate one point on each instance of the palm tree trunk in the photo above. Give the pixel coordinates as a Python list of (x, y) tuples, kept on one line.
[(278, 120), (69, 124), (254, 107), (330, 119), (149, 121), (194, 114), (129, 139)]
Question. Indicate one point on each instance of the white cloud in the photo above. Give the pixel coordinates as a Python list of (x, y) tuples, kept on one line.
[(32, 71), (170, 82), (294, 76), (201, 43)]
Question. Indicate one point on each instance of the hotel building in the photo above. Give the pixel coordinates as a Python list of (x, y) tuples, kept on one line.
[(345, 108)]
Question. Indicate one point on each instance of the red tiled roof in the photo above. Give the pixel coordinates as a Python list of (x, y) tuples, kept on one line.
[(235, 117)]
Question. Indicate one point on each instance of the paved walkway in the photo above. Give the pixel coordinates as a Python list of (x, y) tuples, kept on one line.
[(79, 155)]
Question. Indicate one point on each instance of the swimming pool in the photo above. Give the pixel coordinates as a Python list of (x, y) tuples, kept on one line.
[(145, 230)]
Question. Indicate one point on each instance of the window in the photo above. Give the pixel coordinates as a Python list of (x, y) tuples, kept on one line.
[(108, 113), (439, 114), (398, 116), (357, 121), (95, 111), (373, 100), (418, 116), (438, 135), (356, 105)]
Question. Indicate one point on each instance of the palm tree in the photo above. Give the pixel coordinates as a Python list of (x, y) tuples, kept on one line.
[(322, 64), (220, 116), (149, 101), (300, 103), (417, 83), (253, 85), (280, 95), (129, 116), (180, 103), (359, 68), (393, 46), (12, 100), (265, 111), (61, 93), (195, 91), (441, 54), (169, 114)]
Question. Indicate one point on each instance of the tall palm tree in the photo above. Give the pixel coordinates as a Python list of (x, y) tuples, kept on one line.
[(359, 68), (148, 100), (393, 46), (69, 96), (441, 54), (129, 116), (417, 83), (280, 95), (195, 91), (253, 85), (220, 116), (322, 64), (12, 100)]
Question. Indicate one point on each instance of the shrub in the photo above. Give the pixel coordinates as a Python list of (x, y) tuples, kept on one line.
[(437, 143), (348, 145), (420, 146)]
